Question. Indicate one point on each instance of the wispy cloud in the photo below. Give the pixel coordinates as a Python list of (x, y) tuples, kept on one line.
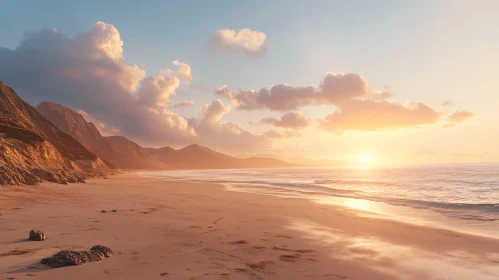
[(458, 117), (275, 134), (185, 104), (430, 152), (448, 103)]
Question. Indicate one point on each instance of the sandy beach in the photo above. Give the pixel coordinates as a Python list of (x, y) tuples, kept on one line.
[(166, 229)]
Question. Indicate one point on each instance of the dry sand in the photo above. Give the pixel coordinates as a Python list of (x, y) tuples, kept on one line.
[(195, 230)]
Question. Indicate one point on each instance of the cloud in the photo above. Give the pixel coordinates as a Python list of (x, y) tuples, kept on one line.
[(448, 103), (185, 104), (224, 91), (214, 132), (458, 117), (292, 120), (214, 111), (333, 89), (155, 91), (252, 43), (89, 72), (337, 88), (104, 129), (429, 152), (371, 115), (279, 98), (274, 134), (183, 71), (358, 107)]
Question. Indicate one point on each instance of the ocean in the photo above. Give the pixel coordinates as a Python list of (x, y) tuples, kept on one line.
[(462, 197)]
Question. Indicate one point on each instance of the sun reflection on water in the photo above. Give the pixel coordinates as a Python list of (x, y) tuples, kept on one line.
[(358, 204), (403, 261)]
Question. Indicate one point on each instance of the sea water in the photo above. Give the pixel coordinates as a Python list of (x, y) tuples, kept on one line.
[(462, 197)]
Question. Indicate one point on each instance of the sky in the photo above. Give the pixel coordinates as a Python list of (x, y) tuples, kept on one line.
[(389, 81)]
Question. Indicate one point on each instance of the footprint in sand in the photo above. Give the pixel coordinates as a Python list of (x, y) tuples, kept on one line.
[(283, 236), (303, 251), (248, 272), (260, 265), (290, 258), (186, 245), (239, 242), (335, 276), (296, 256), (217, 220), (195, 226)]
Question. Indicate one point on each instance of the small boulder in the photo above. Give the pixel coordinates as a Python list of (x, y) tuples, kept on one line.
[(37, 235), (67, 257)]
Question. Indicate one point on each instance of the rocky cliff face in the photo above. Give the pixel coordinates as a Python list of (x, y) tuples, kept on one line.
[(75, 125), (33, 149)]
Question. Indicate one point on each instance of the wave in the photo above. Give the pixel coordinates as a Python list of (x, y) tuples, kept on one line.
[(354, 182), (463, 211), (461, 192)]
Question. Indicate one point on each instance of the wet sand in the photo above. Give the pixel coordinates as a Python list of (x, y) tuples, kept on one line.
[(164, 229)]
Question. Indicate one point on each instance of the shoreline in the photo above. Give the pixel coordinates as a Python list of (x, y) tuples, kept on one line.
[(199, 230), (448, 216), (410, 215)]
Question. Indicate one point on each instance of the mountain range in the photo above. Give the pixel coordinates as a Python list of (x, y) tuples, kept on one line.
[(126, 154), (53, 142)]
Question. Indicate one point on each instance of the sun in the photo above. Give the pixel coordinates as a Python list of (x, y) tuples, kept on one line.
[(363, 159)]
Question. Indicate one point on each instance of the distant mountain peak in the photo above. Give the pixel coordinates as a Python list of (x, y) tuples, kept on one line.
[(132, 156), (193, 146)]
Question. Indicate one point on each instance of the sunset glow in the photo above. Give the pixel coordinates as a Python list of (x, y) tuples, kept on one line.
[(319, 139), (364, 159), (251, 87)]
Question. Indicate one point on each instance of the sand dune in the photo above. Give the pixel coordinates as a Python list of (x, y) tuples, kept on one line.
[(164, 229)]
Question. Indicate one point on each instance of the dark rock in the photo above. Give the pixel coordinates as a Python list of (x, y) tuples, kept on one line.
[(37, 235), (67, 257), (114, 210), (103, 211)]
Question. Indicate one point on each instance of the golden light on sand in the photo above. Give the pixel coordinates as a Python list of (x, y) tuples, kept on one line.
[(364, 159)]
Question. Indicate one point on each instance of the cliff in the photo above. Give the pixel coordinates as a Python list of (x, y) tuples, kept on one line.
[(33, 149)]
